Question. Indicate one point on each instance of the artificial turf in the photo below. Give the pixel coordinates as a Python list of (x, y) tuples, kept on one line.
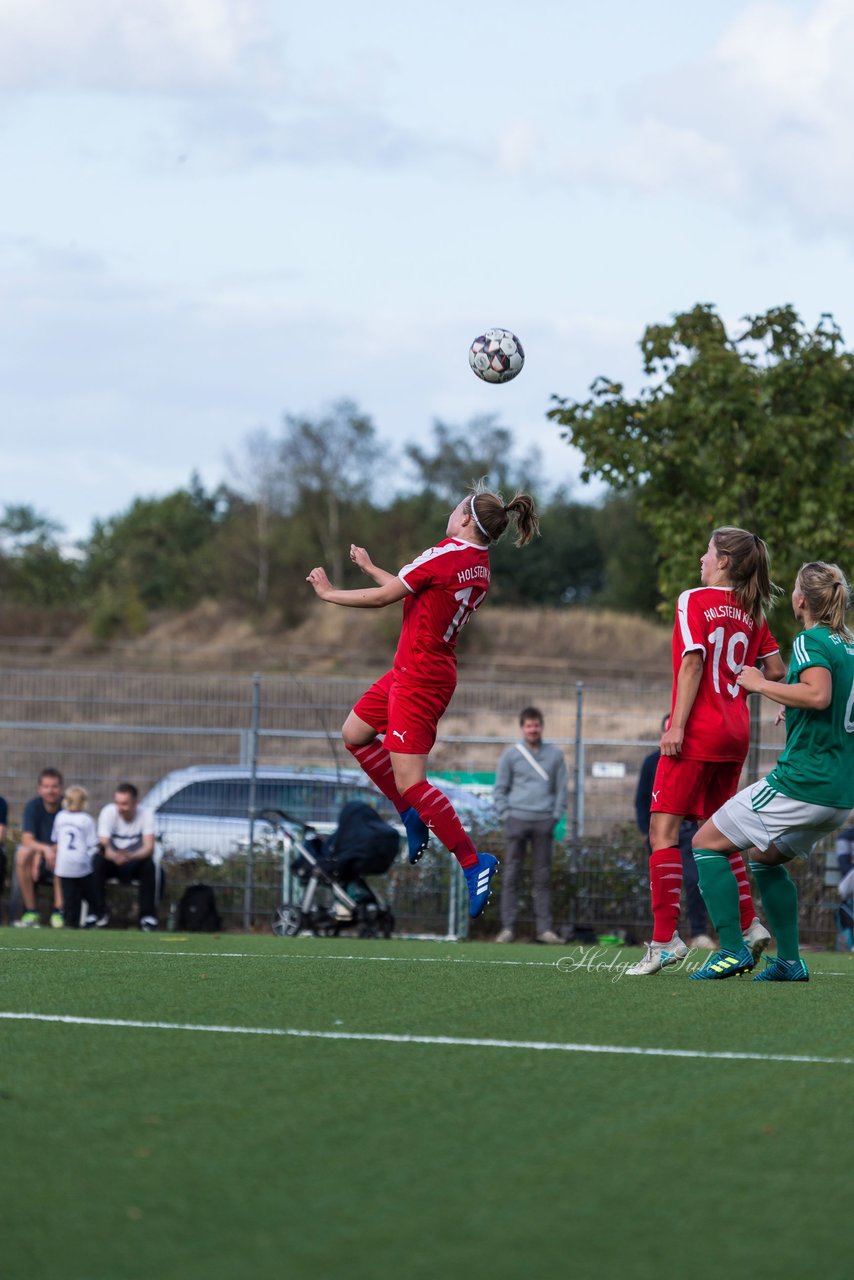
[(140, 1151)]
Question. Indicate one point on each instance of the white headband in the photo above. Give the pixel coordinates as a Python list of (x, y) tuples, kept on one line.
[(477, 522)]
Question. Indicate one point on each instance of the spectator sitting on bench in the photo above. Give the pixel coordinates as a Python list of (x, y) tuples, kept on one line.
[(126, 837), (36, 854)]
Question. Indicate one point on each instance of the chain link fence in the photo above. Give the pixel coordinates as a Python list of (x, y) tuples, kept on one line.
[(101, 728)]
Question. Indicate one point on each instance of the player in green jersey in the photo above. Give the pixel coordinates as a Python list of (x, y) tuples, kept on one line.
[(809, 793)]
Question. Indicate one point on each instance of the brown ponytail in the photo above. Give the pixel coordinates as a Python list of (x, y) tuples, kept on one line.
[(749, 568), (491, 515)]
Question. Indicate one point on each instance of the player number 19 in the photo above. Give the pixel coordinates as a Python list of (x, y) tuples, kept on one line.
[(734, 660)]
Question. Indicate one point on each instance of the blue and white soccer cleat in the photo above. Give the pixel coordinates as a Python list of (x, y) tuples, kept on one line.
[(726, 964), (417, 834), (479, 879), (777, 970)]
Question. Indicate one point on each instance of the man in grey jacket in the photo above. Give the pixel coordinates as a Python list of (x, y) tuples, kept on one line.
[(530, 797)]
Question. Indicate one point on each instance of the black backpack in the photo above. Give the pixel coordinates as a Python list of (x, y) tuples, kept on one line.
[(197, 911)]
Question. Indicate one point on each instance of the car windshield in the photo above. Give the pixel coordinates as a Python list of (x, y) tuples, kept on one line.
[(306, 799)]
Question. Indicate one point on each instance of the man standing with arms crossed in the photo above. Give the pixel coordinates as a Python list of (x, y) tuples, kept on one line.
[(530, 797)]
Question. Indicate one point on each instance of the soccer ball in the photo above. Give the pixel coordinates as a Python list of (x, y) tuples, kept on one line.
[(496, 356)]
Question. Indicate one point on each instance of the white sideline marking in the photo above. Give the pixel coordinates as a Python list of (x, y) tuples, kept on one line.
[(361, 959), (541, 1046), (297, 955)]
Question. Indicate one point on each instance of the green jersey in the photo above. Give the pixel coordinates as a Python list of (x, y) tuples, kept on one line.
[(817, 764)]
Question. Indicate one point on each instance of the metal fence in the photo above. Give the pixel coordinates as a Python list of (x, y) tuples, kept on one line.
[(100, 728)]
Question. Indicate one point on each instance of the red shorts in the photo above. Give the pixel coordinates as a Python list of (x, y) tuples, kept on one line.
[(693, 788), (407, 714)]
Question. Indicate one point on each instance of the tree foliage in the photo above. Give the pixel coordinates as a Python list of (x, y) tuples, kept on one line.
[(458, 456), (300, 496), (753, 430), (154, 554), (34, 569)]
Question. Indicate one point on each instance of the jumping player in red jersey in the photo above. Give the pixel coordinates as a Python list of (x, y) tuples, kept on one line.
[(720, 628), (392, 728)]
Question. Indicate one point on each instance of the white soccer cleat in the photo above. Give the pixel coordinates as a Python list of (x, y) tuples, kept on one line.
[(756, 938), (658, 956)]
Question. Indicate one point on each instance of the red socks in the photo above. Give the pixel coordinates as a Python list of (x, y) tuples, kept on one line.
[(746, 907), (665, 879), (434, 808), (432, 805), (375, 760)]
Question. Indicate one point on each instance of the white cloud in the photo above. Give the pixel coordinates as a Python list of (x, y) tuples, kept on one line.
[(238, 135), (152, 46), (763, 122), (518, 146), (234, 102), (95, 368)]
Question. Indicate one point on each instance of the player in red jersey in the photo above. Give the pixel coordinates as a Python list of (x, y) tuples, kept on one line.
[(720, 628), (392, 728)]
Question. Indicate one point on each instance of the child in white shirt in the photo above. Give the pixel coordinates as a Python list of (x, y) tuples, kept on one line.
[(76, 840)]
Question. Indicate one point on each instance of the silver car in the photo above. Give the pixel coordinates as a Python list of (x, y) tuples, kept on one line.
[(203, 811)]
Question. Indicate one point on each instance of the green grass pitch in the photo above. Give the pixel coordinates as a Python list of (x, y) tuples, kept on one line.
[(170, 1151)]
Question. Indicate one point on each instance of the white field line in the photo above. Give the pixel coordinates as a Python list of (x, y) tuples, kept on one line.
[(540, 1046), (293, 955), (592, 961)]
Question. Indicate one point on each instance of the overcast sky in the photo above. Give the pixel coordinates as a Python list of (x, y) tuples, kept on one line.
[(215, 212)]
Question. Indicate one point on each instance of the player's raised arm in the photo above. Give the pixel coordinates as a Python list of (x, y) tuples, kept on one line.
[(360, 557), (360, 598)]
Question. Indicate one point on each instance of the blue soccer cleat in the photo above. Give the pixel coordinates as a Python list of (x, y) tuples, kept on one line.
[(726, 964), (479, 879), (777, 970), (417, 834)]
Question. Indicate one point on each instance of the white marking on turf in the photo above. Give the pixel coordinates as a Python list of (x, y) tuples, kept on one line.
[(298, 955), (321, 957), (542, 1046)]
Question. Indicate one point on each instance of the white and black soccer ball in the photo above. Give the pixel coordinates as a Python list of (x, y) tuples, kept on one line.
[(496, 356)]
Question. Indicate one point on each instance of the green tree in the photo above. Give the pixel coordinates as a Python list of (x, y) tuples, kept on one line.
[(456, 456), (753, 430), (152, 556), (629, 557), (261, 482), (563, 566), (303, 485), (34, 570), (329, 464)]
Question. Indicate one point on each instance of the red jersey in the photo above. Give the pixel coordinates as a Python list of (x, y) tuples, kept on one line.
[(710, 621), (447, 583)]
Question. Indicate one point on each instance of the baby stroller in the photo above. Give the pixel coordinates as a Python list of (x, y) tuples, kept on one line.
[(324, 886)]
